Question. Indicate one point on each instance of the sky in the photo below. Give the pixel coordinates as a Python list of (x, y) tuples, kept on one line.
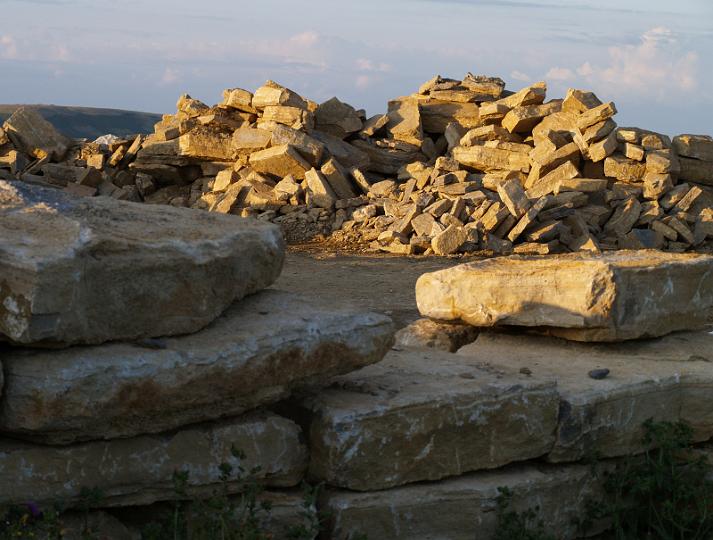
[(653, 58)]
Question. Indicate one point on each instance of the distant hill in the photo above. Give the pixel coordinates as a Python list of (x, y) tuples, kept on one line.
[(88, 122)]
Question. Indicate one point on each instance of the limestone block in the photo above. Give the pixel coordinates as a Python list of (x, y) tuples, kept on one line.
[(238, 363), (94, 270), (425, 415), (584, 297)]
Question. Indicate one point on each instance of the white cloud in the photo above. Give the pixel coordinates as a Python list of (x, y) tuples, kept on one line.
[(305, 39), (560, 74), (170, 76), (363, 82), (365, 64), (658, 66), (8, 47), (520, 76), (42, 48)]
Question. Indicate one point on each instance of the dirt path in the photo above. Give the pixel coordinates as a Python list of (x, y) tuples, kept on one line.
[(383, 283)]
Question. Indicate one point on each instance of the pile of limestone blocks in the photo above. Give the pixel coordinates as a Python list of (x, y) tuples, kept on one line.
[(571, 355), (461, 166), (139, 341)]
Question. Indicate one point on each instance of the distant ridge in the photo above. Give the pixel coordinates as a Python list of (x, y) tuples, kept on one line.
[(89, 122)]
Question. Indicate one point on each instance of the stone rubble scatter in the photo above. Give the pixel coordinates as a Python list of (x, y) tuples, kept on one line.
[(459, 166)]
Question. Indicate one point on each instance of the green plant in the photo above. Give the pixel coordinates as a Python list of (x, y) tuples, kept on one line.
[(512, 525), (311, 519), (31, 521), (232, 512), (28, 521), (665, 494)]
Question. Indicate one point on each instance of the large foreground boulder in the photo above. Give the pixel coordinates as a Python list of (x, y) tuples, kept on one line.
[(94, 270), (140, 470), (611, 297), (256, 353), (425, 415)]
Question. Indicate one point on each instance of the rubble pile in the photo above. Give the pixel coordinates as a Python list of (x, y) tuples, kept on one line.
[(459, 166)]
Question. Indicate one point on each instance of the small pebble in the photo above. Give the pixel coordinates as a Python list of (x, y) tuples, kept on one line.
[(526, 371), (599, 374)]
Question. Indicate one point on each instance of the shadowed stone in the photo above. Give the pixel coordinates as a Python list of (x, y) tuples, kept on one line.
[(92, 270), (140, 470), (256, 353), (424, 415), (664, 379), (464, 508)]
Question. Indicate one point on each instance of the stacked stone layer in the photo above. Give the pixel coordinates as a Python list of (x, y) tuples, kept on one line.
[(458, 166), (138, 341)]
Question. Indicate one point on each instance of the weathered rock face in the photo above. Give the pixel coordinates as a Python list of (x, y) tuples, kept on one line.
[(463, 508), (34, 135), (256, 353), (425, 415), (139, 470), (436, 335), (666, 379), (610, 297), (94, 270)]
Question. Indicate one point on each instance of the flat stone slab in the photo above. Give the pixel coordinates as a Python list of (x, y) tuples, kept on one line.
[(425, 415), (90, 270), (256, 353), (666, 379), (139, 470), (464, 508), (583, 297)]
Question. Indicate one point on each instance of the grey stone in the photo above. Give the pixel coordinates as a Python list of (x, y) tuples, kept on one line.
[(90, 270), (258, 352), (424, 415), (140, 470)]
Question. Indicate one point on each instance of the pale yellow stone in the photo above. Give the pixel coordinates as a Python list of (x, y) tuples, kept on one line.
[(610, 297)]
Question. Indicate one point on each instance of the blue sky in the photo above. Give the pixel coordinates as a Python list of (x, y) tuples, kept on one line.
[(654, 59)]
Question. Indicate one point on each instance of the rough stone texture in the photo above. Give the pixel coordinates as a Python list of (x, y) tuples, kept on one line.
[(436, 335), (694, 146), (425, 415), (463, 508), (279, 161), (206, 143), (405, 121), (666, 379), (436, 115), (139, 470), (257, 353), (34, 135), (484, 158), (286, 511), (583, 297), (247, 140), (337, 118), (320, 191), (77, 270)]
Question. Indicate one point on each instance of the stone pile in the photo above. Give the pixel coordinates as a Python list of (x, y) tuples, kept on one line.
[(137, 341), (459, 166)]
